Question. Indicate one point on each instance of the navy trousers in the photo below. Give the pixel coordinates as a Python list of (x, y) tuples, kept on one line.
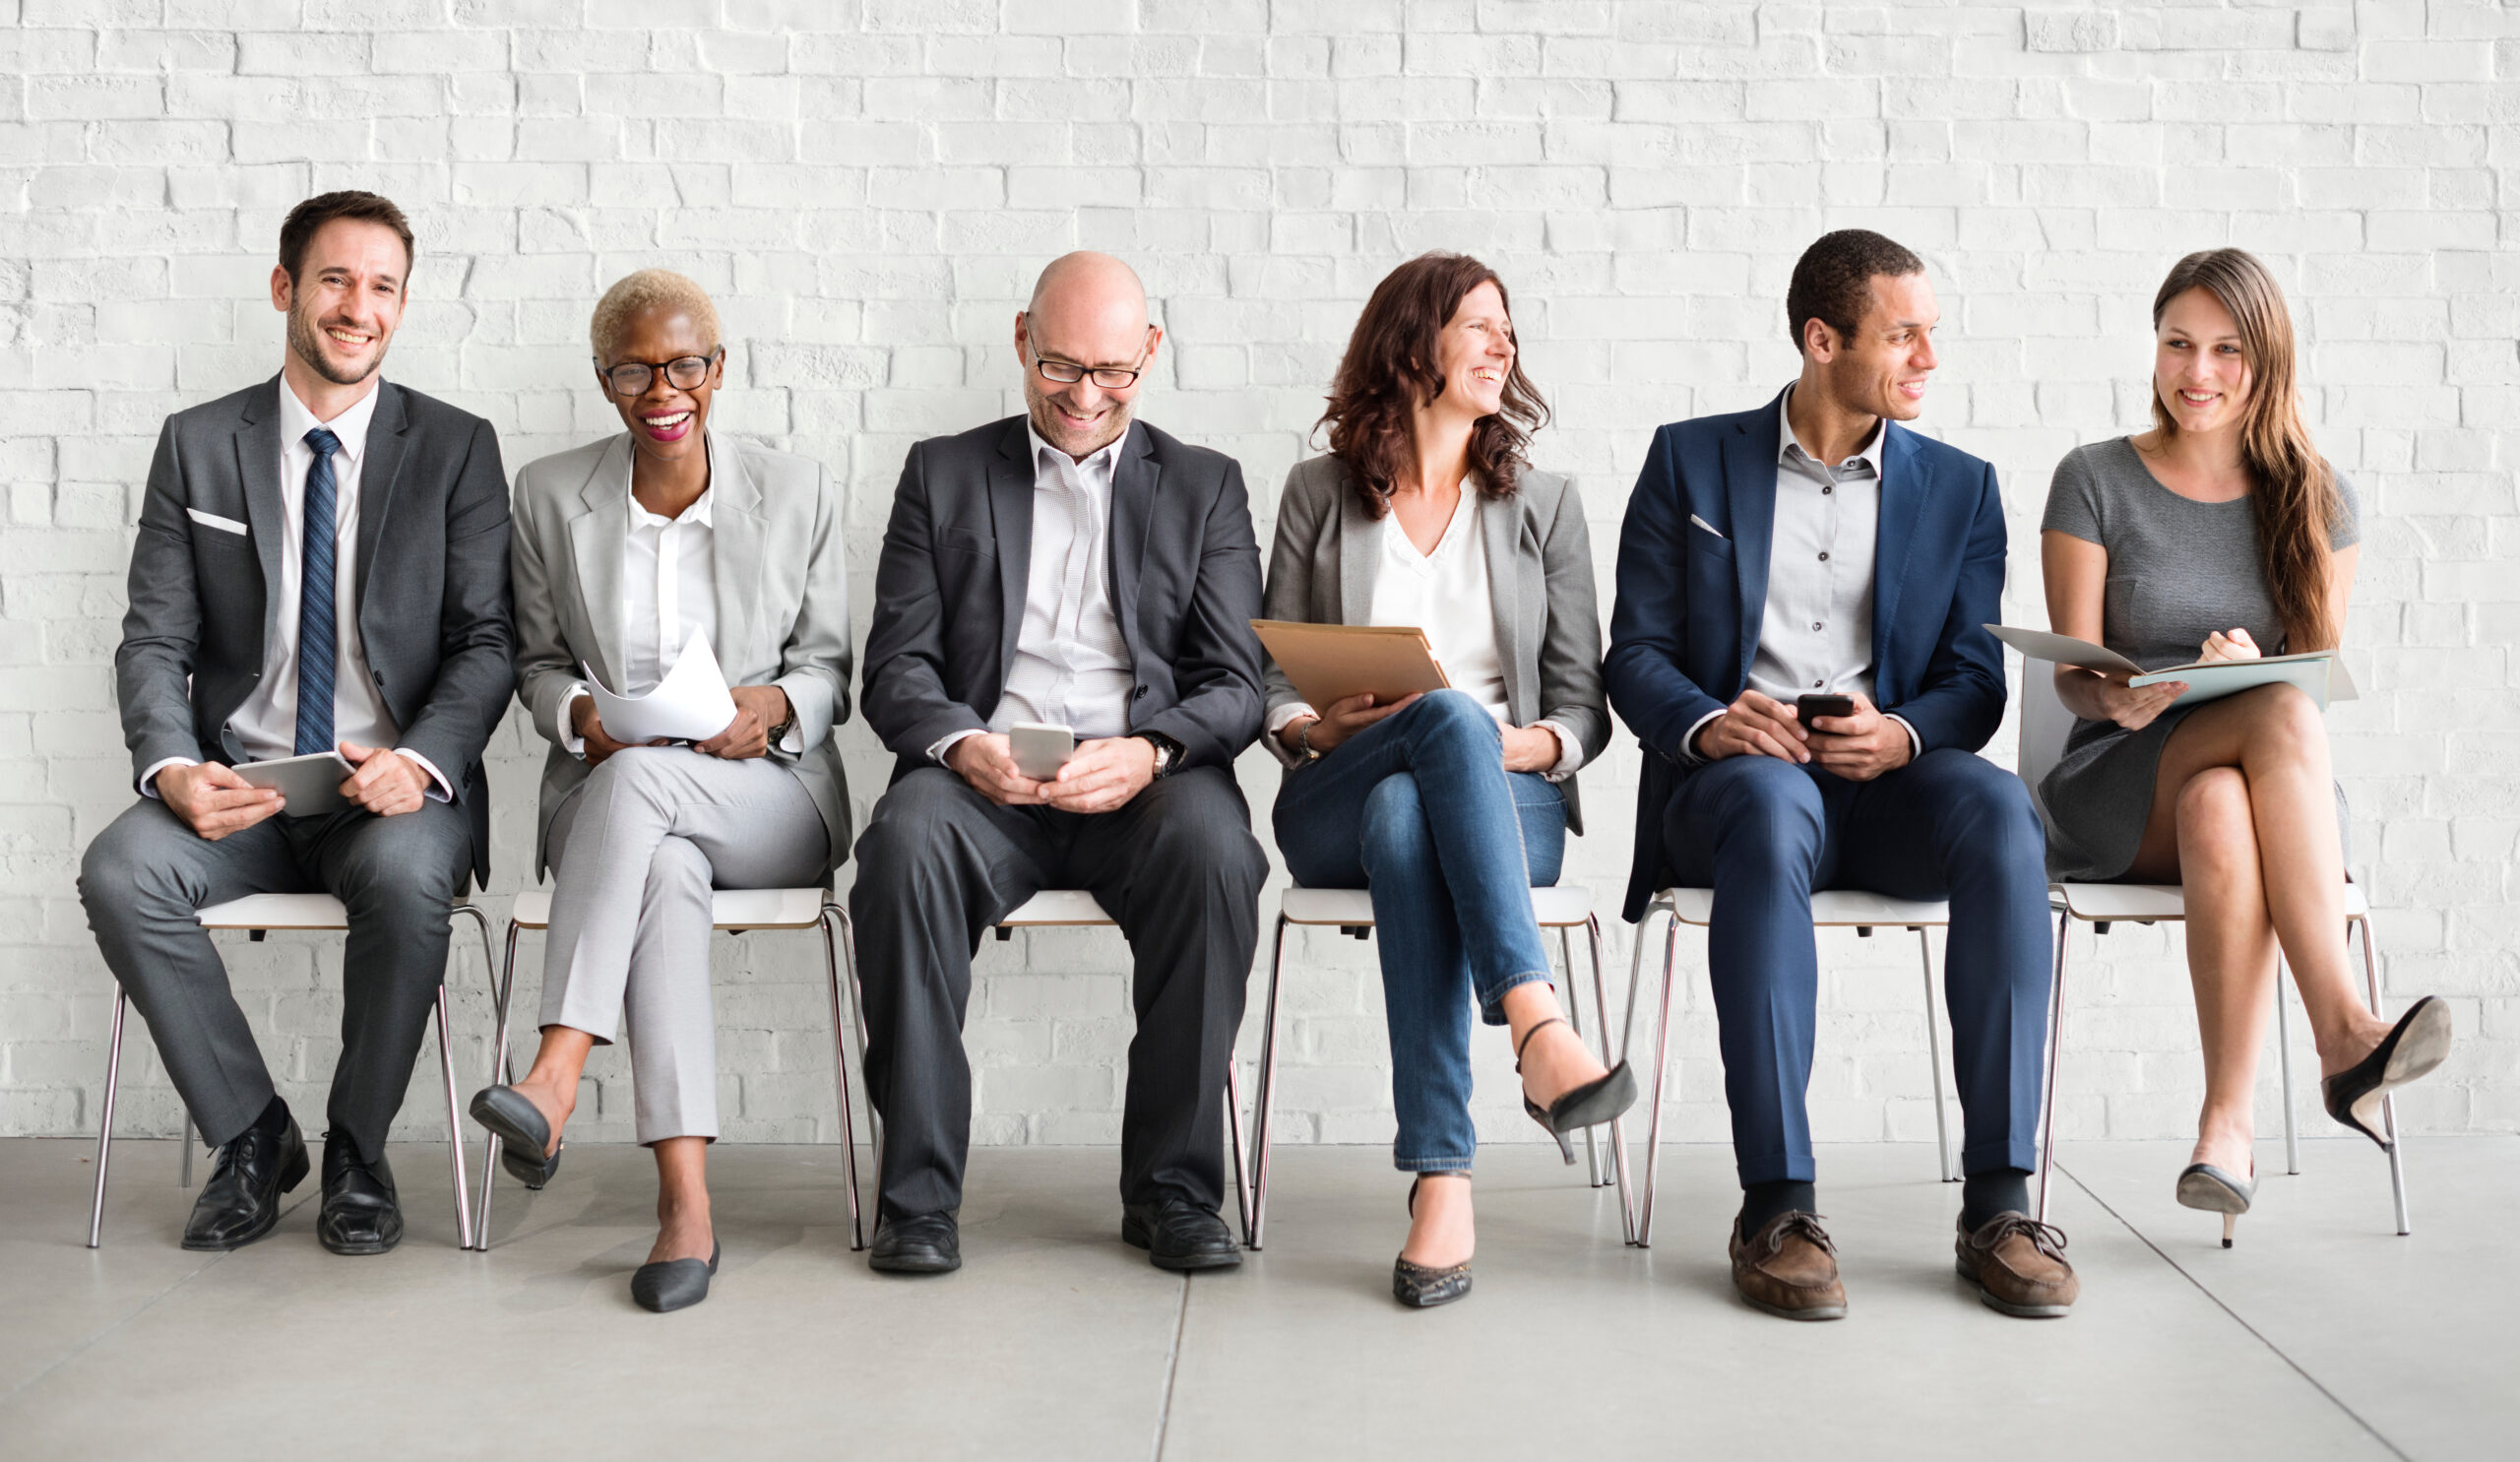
[(1764, 833)]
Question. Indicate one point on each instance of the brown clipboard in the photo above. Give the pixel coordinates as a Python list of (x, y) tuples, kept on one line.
[(1332, 662)]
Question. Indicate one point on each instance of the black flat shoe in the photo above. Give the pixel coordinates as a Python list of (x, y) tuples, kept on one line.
[(674, 1283), (2206, 1187), (919, 1244), (1419, 1285), (1587, 1106), (242, 1200), (2417, 1044), (522, 1133), (361, 1213), (1178, 1234)]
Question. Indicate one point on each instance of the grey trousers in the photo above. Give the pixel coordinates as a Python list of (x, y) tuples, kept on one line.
[(147, 873), (636, 850), (1176, 867)]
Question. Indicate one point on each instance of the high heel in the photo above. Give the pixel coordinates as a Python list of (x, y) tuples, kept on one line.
[(1587, 1106), (1420, 1286), (2417, 1044), (2206, 1187)]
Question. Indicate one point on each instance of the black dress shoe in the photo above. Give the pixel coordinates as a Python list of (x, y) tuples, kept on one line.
[(1178, 1234), (674, 1283), (241, 1201), (919, 1244), (362, 1215)]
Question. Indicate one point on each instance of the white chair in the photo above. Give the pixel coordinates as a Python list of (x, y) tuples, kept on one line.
[(1051, 907), (1352, 912), (1830, 909), (258, 914), (2044, 725), (738, 910)]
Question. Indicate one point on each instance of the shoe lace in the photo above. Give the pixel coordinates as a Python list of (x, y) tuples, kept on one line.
[(2047, 1239), (1807, 1225)]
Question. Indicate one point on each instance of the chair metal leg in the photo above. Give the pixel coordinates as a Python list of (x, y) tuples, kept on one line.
[(1627, 1053), (839, 1067), (1618, 1140), (2284, 1061), (454, 1123), (2388, 1103), (1950, 1166), (2056, 1045), (1233, 1129), (105, 1128), (1260, 1117), (501, 1073), (857, 1026), (1575, 1022), (1662, 1065)]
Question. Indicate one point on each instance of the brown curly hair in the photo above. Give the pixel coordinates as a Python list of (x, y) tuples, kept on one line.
[(1389, 371)]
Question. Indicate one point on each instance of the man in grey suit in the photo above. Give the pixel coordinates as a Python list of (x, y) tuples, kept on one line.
[(1073, 567), (383, 636)]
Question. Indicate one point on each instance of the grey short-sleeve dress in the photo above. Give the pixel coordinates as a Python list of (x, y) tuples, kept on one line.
[(2178, 570)]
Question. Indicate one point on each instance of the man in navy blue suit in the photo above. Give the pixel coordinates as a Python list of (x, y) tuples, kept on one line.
[(1813, 546)]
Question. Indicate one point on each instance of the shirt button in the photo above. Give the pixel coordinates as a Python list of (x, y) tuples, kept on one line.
[(1816, 684), (1824, 555), (1815, 624), (1825, 491)]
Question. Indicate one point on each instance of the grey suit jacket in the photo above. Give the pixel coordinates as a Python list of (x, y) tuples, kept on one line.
[(431, 575), (1540, 574), (783, 602), (949, 591)]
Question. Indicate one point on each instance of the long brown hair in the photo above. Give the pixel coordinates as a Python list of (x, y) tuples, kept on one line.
[(2291, 489), (1390, 370)]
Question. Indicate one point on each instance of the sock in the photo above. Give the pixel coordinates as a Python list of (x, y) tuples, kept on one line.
[(1763, 1201), (1996, 1190)]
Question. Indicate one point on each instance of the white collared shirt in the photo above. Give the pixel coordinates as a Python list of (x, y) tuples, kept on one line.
[(266, 724)]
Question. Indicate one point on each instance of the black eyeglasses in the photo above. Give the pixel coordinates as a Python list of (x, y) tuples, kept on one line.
[(683, 373), (1068, 373)]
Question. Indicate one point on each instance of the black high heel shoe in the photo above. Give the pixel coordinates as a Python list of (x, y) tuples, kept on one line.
[(2418, 1042), (1587, 1106), (1419, 1285), (2206, 1187)]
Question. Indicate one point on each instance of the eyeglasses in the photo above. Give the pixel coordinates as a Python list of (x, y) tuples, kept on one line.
[(1068, 373), (683, 373)]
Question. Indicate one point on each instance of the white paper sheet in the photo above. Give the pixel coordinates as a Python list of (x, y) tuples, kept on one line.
[(690, 704)]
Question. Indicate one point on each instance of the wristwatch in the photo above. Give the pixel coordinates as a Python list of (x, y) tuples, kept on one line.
[(1167, 752), (1305, 752)]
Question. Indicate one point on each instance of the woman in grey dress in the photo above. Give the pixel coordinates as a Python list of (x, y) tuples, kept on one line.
[(2221, 534)]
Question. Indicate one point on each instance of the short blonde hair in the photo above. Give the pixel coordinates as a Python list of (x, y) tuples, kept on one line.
[(647, 289)]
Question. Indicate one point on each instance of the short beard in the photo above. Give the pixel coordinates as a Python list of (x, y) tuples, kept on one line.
[(305, 341), (1044, 417)]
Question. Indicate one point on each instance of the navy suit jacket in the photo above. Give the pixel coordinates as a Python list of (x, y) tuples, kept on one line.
[(1687, 622)]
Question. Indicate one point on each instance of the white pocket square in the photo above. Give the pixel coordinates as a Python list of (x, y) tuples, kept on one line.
[(1700, 522), (212, 520)]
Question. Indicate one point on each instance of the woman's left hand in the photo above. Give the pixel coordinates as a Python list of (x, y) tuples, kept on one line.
[(758, 708), (2233, 644), (1531, 748)]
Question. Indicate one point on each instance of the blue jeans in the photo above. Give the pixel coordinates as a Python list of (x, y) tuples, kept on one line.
[(1451, 875)]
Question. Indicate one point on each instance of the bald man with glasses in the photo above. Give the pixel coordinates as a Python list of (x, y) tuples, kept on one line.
[(1076, 567)]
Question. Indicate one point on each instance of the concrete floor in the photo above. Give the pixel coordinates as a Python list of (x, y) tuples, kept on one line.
[(2320, 1335)]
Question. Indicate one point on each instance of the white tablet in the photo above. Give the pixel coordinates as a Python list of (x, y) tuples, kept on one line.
[(310, 785)]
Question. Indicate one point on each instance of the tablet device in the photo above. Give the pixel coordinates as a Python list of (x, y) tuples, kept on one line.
[(310, 785), (1039, 749), (1328, 662)]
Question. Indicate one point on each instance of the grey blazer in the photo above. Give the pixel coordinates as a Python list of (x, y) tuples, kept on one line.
[(432, 594), (783, 602), (1539, 573)]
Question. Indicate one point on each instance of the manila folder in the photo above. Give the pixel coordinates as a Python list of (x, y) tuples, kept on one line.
[(1332, 662)]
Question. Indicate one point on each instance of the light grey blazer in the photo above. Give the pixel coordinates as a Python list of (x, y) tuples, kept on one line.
[(1540, 574), (782, 601)]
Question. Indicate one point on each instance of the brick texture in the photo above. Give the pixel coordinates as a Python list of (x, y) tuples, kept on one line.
[(869, 185)]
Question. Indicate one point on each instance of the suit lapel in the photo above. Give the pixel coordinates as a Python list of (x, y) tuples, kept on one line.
[(1010, 507), (376, 479), (1501, 522), (1749, 490), (258, 471), (1359, 554), (737, 535), (1903, 500), (595, 538), (1133, 486)]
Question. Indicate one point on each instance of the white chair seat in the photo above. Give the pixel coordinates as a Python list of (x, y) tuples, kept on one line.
[(1833, 908), (2146, 903), (277, 911), (1056, 906), (1353, 907), (733, 909)]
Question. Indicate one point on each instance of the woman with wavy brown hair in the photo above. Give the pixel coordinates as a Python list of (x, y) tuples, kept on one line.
[(1447, 807), (2221, 534)]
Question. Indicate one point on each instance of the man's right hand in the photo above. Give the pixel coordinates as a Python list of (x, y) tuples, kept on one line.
[(1754, 725), (987, 762), (589, 724), (214, 801)]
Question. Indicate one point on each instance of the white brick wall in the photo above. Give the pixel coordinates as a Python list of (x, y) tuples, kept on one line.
[(869, 185)]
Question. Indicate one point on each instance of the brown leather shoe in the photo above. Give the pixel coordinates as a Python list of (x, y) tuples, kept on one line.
[(1789, 1268), (2019, 1267)]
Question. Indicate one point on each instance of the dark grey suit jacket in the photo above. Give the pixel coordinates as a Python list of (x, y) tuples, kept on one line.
[(432, 574), (949, 592)]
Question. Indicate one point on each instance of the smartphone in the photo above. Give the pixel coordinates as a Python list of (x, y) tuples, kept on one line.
[(1040, 749), (1807, 706)]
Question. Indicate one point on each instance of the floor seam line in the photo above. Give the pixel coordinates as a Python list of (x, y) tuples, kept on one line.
[(2254, 1333), (1171, 1371)]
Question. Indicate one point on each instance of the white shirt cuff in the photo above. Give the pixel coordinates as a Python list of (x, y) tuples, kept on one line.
[(570, 741), (1915, 743), (148, 779), (1288, 715), (945, 744), (439, 791), (1688, 741)]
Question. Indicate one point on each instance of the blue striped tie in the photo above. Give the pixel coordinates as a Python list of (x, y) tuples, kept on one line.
[(316, 656)]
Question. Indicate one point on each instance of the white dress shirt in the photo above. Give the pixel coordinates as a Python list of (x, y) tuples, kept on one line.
[(1072, 668), (266, 724), (1815, 631)]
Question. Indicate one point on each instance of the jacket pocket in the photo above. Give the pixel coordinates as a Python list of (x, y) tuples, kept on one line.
[(963, 541)]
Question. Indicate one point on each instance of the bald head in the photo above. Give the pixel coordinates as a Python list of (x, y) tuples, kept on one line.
[(1088, 313)]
